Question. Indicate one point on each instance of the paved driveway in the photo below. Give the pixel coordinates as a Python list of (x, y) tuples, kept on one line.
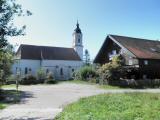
[(44, 102)]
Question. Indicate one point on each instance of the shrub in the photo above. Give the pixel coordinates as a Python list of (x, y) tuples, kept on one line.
[(50, 78), (28, 80), (1, 95), (85, 73), (110, 71), (41, 75), (11, 79), (50, 81), (76, 75), (94, 80)]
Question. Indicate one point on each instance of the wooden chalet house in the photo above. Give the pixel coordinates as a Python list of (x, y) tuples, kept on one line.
[(140, 54)]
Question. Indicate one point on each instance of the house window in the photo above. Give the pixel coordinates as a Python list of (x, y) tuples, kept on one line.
[(145, 62), (26, 70), (144, 76), (114, 52), (130, 62), (61, 71)]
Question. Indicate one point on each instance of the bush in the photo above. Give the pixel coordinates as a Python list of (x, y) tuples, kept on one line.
[(85, 73), (1, 95), (50, 78), (28, 80), (50, 81), (110, 71), (41, 75), (76, 75), (94, 80), (11, 79)]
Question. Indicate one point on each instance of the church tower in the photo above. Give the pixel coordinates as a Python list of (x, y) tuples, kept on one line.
[(77, 41)]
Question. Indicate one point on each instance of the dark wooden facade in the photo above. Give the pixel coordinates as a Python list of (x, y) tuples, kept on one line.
[(146, 67), (152, 70)]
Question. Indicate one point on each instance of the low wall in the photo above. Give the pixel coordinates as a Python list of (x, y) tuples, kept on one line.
[(147, 83)]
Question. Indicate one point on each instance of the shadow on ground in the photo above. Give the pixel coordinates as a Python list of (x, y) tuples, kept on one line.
[(13, 96), (27, 118)]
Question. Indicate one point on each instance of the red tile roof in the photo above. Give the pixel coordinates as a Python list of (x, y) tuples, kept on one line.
[(141, 48), (47, 53)]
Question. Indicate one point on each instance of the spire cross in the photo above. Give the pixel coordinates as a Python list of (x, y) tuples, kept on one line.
[(77, 24)]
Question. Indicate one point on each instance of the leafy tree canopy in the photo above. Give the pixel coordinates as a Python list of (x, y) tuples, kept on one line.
[(9, 9)]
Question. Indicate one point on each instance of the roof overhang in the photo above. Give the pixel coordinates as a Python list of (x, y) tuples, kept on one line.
[(115, 41), (120, 45)]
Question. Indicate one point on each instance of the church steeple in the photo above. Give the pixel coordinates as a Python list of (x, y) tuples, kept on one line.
[(77, 41), (77, 30), (77, 24)]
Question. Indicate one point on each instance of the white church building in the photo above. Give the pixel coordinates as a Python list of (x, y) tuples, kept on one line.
[(62, 62)]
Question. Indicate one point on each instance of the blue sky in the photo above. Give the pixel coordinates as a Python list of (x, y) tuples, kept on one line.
[(53, 21)]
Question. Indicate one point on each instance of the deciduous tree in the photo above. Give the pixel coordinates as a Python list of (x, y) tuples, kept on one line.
[(9, 9)]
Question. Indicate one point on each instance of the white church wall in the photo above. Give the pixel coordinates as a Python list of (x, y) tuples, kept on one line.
[(34, 65), (54, 66), (67, 67)]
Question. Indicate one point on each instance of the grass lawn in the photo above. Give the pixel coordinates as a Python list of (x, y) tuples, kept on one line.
[(108, 87), (129, 106), (2, 105), (79, 82), (9, 86)]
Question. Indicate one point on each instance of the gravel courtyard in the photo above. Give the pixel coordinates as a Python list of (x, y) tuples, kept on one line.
[(44, 102)]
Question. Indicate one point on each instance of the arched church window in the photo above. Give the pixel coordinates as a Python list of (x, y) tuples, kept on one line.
[(61, 71), (47, 71), (26, 70), (30, 69), (72, 70)]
